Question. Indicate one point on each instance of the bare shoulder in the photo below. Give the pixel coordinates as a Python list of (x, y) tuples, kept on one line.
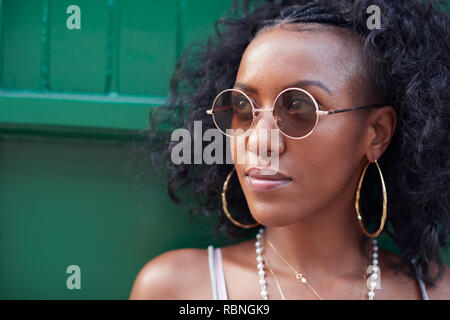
[(406, 284), (442, 289), (173, 275)]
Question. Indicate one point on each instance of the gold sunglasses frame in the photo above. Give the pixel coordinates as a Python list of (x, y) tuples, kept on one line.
[(257, 110)]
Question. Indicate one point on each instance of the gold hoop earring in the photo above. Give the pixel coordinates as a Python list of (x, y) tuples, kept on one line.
[(384, 214), (225, 205)]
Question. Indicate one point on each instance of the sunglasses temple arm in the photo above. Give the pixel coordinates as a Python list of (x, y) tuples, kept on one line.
[(357, 108)]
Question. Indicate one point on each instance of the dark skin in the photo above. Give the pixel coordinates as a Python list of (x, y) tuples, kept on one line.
[(311, 220)]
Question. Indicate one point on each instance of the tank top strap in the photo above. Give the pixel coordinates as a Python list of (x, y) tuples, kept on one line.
[(422, 288), (212, 271), (216, 273)]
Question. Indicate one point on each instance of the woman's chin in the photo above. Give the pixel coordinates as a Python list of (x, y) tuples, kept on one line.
[(272, 218)]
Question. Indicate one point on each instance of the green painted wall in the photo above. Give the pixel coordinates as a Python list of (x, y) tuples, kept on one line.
[(73, 201), (71, 101)]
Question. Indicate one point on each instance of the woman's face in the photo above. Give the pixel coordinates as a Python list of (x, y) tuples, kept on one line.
[(324, 166)]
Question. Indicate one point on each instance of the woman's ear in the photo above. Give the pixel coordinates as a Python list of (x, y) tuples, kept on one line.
[(381, 125)]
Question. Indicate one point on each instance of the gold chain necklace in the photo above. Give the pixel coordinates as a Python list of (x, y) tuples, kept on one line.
[(274, 276), (299, 275)]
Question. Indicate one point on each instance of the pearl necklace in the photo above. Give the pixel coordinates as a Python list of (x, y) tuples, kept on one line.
[(373, 282)]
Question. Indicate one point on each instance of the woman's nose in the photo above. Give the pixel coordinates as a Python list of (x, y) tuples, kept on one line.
[(265, 137)]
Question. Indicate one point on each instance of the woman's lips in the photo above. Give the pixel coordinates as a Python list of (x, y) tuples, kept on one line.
[(265, 179)]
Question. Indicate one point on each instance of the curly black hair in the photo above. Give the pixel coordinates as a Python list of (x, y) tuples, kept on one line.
[(407, 61)]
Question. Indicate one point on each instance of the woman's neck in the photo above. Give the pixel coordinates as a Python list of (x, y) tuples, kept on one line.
[(330, 244)]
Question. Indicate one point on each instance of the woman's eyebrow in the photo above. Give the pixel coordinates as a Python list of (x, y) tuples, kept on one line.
[(301, 84)]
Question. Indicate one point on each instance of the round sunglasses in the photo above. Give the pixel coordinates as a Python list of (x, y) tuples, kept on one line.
[(295, 111)]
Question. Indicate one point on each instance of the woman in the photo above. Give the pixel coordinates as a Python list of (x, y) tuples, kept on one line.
[(379, 161)]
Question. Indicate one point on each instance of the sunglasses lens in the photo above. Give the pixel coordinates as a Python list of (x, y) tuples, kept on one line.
[(295, 113), (232, 112)]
